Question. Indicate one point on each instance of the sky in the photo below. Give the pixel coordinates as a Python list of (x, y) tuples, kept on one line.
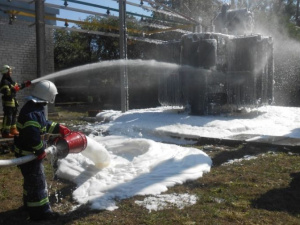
[(68, 14), (144, 153)]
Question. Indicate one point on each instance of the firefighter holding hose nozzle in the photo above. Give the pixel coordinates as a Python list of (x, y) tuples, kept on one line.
[(32, 126), (8, 89)]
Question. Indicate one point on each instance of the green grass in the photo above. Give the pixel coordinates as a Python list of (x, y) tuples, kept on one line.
[(264, 190)]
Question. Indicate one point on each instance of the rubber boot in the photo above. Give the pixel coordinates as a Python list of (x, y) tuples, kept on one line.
[(14, 131), (45, 216)]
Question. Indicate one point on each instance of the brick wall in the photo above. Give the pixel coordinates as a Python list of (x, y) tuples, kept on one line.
[(18, 49)]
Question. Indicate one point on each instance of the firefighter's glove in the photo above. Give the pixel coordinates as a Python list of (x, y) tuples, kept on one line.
[(27, 83), (42, 155), (16, 88), (64, 131)]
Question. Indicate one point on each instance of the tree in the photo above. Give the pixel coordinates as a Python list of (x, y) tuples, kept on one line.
[(203, 11), (275, 17), (71, 49), (76, 48)]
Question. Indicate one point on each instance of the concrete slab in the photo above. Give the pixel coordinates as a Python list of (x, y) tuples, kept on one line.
[(280, 141), (241, 137), (252, 139)]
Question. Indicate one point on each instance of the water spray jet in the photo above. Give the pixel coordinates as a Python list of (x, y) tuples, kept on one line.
[(95, 68)]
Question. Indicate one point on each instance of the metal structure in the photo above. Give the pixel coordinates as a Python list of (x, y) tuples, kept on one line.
[(40, 37), (297, 14), (123, 55), (225, 67), (221, 72), (40, 17), (182, 22)]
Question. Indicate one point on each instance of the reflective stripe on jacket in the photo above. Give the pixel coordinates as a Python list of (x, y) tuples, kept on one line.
[(32, 125), (8, 92)]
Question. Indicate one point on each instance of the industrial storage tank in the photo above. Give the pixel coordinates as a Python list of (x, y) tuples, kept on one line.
[(221, 72)]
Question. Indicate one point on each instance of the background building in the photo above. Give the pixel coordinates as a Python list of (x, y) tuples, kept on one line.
[(18, 41)]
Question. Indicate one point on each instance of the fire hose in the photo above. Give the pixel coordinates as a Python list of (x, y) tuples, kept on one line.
[(24, 159)]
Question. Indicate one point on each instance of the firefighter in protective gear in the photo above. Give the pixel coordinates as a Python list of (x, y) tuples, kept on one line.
[(8, 89), (33, 127)]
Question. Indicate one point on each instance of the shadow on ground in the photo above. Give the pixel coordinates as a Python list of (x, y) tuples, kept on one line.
[(283, 199), (225, 156), (20, 216)]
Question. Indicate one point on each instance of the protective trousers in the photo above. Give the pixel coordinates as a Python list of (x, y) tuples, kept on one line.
[(35, 195), (9, 118)]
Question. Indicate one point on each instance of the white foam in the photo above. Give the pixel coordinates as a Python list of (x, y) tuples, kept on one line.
[(97, 153)]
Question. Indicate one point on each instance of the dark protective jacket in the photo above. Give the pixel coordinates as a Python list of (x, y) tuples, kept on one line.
[(8, 92), (32, 126)]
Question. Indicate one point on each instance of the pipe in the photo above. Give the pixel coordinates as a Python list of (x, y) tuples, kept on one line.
[(24, 159)]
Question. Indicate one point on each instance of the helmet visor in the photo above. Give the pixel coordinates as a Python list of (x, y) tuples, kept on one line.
[(35, 99)]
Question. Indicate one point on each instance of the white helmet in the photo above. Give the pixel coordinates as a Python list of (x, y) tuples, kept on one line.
[(6, 68), (43, 92)]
